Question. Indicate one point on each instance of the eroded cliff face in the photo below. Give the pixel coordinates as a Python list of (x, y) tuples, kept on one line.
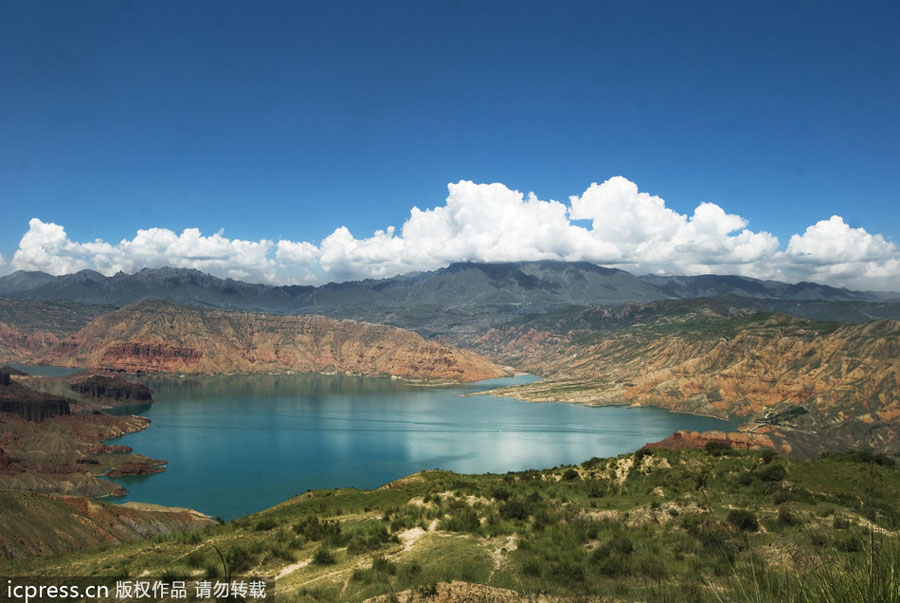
[(64, 454), (107, 389), (52, 443), (17, 345), (163, 337), (693, 440), (27, 403), (800, 382), (29, 327), (35, 525)]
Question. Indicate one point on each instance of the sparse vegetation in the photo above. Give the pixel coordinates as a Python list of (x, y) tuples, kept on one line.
[(689, 528)]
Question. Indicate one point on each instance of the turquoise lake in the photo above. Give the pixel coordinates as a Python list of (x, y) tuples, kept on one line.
[(240, 444)]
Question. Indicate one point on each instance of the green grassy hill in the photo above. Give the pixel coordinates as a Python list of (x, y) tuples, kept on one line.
[(661, 525)]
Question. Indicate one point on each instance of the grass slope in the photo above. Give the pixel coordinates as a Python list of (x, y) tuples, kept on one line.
[(654, 526)]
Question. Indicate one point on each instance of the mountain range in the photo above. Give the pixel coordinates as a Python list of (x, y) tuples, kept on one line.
[(461, 298), (715, 345)]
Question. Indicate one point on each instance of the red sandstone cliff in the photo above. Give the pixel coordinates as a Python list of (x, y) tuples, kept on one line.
[(163, 337)]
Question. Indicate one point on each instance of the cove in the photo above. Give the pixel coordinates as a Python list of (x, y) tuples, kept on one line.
[(240, 444)]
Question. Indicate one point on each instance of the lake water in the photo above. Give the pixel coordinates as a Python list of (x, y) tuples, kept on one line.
[(236, 445)]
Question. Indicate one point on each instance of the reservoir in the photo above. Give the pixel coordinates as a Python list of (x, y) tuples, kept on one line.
[(240, 444)]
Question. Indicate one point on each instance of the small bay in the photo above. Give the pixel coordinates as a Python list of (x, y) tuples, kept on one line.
[(240, 444)]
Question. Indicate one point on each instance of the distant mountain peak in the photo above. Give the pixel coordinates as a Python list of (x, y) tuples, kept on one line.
[(464, 295)]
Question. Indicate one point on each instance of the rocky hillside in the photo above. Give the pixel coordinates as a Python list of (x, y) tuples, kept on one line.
[(27, 403), (159, 336), (36, 525), (29, 327), (51, 433), (65, 454), (804, 383), (463, 298), (724, 524)]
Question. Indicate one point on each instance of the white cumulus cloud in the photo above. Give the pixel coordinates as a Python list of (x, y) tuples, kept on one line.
[(46, 247), (612, 223), (831, 251)]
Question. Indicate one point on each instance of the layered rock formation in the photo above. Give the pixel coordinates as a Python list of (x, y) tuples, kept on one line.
[(31, 327), (27, 403), (692, 440), (163, 337), (64, 454), (47, 447), (109, 389), (805, 384), (34, 525)]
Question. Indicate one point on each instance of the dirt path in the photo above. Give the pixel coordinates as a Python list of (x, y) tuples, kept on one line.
[(409, 537), (290, 569)]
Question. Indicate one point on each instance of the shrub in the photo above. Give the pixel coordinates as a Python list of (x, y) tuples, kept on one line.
[(596, 490), (715, 542), (413, 569), (570, 475), (212, 569), (745, 478), (500, 493), (651, 566), (399, 523), (861, 456), (717, 448), (283, 552), (840, 523), (567, 572), (324, 557), (239, 559), (818, 539), (767, 455), (622, 544), (619, 545), (786, 518), (611, 564), (514, 509), (463, 521), (743, 520), (313, 529), (532, 568), (384, 565), (640, 454), (771, 473), (175, 575), (367, 537), (593, 462), (265, 524)]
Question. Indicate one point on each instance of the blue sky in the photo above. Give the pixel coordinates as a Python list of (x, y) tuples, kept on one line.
[(287, 120)]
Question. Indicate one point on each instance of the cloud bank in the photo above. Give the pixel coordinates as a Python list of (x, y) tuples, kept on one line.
[(613, 224)]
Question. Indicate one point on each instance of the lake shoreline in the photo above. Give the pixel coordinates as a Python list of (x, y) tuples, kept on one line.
[(289, 433)]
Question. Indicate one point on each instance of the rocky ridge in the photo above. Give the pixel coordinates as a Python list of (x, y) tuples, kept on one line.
[(807, 384), (35, 525), (50, 443), (151, 337), (29, 327)]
